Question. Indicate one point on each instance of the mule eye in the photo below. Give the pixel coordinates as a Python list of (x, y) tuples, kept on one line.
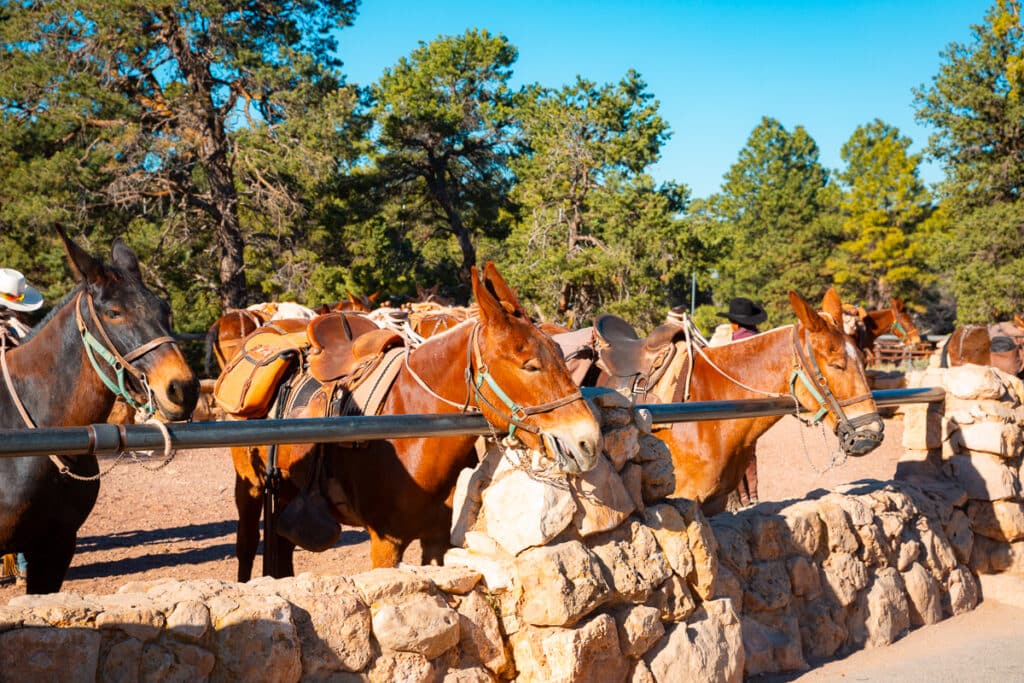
[(112, 313), (532, 365)]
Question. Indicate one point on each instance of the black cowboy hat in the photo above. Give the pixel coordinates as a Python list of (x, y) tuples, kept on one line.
[(744, 312)]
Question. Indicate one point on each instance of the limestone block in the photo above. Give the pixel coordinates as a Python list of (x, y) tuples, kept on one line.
[(484, 556), (255, 637), (806, 529), (450, 579), (602, 501), (50, 654), (469, 673), (973, 381), (606, 400), (985, 476), (989, 556), (622, 444), (616, 417), (644, 421), (122, 661), (772, 643), (939, 557), (728, 586), (768, 587), (1000, 438), (659, 473), (189, 620), (669, 527), (840, 533), (468, 496), (633, 562), (822, 628), (589, 653), (422, 624), (389, 583), (640, 672), (883, 611), (1001, 520), (731, 533), (768, 537), (633, 479), (480, 633), (673, 600), (963, 590), (407, 667), (639, 627), (875, 548), (331, 619), (174, 662), (709, 647), (559, 584), (923, 593), (909, 553), (858, 512), (844, 575), (63, 609), (804, 577), (523, 511), (703, 548), (923, 426)]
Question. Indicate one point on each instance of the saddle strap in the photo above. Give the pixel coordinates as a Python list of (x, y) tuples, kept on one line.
[(10, 385), (368, 397)]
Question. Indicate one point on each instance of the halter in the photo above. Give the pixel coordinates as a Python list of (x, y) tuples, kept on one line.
[(897, 327), (810, 375), (109, 354), (477, 376)]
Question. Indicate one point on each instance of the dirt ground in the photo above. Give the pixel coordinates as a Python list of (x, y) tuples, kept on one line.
[(179, 522)]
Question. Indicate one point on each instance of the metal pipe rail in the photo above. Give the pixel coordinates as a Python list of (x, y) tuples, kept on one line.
[(109, 439)]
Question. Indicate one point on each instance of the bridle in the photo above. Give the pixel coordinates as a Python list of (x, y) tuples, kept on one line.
[(107, 352), (120, 364), (807, 370), (477, 375)]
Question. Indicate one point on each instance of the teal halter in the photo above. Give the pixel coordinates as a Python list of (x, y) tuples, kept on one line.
[(479, 376), (120, 365)]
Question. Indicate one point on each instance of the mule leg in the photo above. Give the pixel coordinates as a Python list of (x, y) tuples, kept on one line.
[(385, 551), (435, 548), (48, 564), (247, 536), (284, 565)]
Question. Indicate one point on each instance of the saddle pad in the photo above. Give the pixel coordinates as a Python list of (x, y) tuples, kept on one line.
[(247, 385)]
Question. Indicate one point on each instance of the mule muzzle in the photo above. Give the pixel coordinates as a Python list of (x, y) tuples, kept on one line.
[(861, 435), (571, 457)]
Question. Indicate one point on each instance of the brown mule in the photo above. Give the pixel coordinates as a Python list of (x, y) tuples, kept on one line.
[(401, 489)]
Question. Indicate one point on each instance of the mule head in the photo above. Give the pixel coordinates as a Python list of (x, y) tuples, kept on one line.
[(526, 387), (902, 326), (829, 379), (118, 311)]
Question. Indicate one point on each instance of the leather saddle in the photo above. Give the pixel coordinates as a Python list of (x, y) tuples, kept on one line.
[(344, 346), (638, 361)]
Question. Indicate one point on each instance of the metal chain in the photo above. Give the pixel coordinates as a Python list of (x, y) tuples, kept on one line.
[(169, 453), (837, 457)]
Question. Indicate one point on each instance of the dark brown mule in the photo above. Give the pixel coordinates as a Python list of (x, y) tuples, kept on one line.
[(225, 335), (894, 320), (63, 374), (813, 361), (967, 344), (401, 489)]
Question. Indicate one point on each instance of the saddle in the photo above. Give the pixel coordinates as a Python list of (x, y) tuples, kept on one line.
[(336, 347), (638, 362)]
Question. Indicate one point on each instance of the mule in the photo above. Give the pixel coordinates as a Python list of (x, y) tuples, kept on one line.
[(400, 490), (225, 335), (868, 326), (109, 337), (814, 362), (1000, 345)]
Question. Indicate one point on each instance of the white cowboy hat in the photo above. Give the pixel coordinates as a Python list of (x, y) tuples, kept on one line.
[(16, 294)]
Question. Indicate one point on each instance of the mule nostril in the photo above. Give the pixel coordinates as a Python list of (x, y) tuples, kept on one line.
[(183, 393)]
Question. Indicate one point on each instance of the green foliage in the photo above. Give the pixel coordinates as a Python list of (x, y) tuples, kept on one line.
[(445, 134), (594, 232), (975, 105), (775, 220), (883, 203)]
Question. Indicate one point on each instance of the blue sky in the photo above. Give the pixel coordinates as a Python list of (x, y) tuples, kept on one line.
[(715, 67)]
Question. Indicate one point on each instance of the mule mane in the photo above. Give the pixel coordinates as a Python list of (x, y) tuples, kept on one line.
[(52, 313)]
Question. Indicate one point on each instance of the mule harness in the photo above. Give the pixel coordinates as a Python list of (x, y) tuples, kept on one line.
[(117, 362)]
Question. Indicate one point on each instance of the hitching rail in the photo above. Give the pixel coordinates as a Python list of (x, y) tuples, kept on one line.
[(108, 439)]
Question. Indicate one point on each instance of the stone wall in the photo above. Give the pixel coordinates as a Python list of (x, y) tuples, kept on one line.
[(596, 578)]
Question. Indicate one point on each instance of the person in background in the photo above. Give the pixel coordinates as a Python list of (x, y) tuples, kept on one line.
[(16, 297), (744, 316)]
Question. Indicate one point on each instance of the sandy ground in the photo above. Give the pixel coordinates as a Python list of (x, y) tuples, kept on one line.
[(180, 521)]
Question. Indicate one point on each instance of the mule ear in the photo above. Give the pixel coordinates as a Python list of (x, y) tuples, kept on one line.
[(490, 308), (373, 297), (1019, 320), (84, 268), (897, 304), (505, 294), (806, 313), (122, 256), (831, 304)]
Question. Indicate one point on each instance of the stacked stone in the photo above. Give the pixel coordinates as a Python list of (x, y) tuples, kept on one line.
[(852, 568), (976, 439), (598, 577)]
